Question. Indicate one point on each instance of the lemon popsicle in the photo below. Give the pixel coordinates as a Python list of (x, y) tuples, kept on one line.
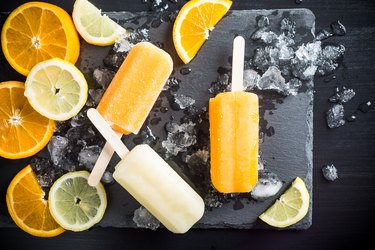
[(131, 95), (152, 182), (234, 132)]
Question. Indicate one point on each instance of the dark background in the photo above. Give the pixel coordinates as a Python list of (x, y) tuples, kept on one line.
[(343, 211)]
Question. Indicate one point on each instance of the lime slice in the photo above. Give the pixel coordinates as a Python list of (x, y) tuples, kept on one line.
[(74, 204), (56, 89), (94, 27), (290, 208)]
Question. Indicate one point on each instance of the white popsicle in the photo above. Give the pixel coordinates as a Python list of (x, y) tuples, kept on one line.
[(152, 182)]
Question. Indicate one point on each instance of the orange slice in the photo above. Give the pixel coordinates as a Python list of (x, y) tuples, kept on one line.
[(193, 24), (23, 131), (27, 206), (37, 31)]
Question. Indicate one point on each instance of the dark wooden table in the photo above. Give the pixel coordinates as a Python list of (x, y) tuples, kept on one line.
[(343, 211)]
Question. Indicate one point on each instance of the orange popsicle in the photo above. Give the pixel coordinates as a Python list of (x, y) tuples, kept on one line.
[(135, 88), (234, 132)]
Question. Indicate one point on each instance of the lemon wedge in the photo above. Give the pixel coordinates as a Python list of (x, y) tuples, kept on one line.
[(290, 208), (94, 27)]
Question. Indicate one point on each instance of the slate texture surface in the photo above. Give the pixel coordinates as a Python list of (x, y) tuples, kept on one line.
[(288, 152)]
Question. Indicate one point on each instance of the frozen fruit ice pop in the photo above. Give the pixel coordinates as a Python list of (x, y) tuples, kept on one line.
[(131, 94), (135, 87), (152, 182), (234, 132)]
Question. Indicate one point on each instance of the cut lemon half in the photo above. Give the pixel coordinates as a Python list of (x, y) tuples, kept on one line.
[(38, 31), (27, 206), (290, 208), (76, 205), (94, 27), (56, 89), (23, 131), (193, 24)]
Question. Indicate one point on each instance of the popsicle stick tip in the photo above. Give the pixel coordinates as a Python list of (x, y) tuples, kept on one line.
[(239, 39), (238, 63)]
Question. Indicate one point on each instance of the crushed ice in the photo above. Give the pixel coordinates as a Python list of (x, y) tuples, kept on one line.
[(144, 219), (330, 172), (180, 137), (267, 186)]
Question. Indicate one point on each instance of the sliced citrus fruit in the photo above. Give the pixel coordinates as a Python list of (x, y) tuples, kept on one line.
[(27, 206), (37, 31), (94, 27), (56, 89), (193, 24), (23, 131), (76, 205), (290, 208)]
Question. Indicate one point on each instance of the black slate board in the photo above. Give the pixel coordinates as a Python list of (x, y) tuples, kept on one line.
[(288, 152)]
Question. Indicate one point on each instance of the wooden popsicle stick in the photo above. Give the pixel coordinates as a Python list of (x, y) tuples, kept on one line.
[(102, 163), (107, 132), (238, 63)]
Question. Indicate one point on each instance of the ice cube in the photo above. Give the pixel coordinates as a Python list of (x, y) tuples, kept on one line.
[(342, 95), (197, 162), (323, 34), (267, 186), (338, 28), (333, 52), (123, 44), (96, 95), (250, 79), (103, 76), (183, 101), (114, 60), (335, 116), (146, 137), (213, 199), (264, 35), (330, 172), (221, 85), (172, 84), (288, 25), (144, 219), (107, 178), (45, 172), (272, 80), (79, 119), (309, 72), (58, 147), (263, 21), (292, 87), (179, 138), (326, 66), (88, 156), (309, 52)]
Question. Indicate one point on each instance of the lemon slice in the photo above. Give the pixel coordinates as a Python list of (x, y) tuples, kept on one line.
[(94, 27), (56, 89), (74, 204), (290, 208)]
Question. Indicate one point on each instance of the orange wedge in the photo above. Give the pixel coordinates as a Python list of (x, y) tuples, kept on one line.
[(27, 206), (37, 31), (23, 131), (193, 24)]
